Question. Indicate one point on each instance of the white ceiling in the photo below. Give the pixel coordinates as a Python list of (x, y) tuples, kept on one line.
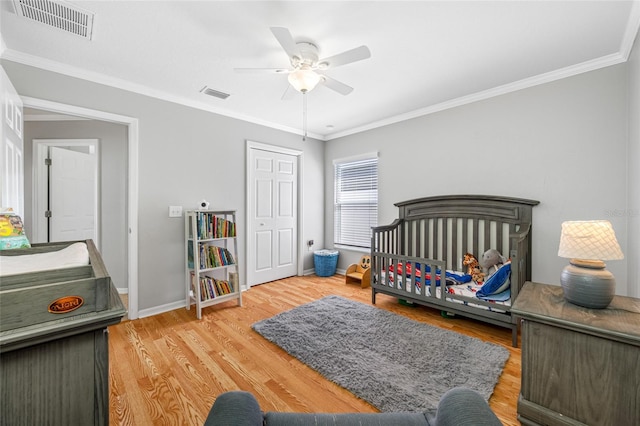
[(425, 55)]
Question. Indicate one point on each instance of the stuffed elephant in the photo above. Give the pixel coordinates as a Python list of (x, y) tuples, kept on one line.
[(491, 261)]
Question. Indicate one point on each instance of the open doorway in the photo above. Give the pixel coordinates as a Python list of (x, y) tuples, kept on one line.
[(128, 196)]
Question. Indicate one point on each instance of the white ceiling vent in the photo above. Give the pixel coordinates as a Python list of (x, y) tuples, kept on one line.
[(58, 14), (215, 93)]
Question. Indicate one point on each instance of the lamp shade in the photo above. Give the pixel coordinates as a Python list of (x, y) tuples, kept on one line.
[(304, 79), (589, 239)]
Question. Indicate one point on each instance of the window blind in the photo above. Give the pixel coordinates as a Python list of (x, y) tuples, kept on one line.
[(356, 202)]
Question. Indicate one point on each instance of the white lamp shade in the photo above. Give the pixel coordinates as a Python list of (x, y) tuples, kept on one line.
[(304, 79), (589, 240)]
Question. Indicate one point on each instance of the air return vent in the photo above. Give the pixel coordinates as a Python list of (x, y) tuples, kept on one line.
[(215, 93), (57, 14)]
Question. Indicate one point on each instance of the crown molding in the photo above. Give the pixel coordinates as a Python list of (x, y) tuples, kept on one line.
[(526, 83), (71, 71)]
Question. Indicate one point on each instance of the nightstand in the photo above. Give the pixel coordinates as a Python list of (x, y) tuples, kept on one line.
[(579, 365)]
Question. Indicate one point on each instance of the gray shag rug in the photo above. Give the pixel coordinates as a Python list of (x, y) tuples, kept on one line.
[(390, 361)]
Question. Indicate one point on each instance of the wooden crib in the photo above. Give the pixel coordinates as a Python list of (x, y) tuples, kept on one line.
[(425, 247)]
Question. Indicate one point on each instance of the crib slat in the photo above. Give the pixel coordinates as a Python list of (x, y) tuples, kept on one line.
[(429, 239), (486, 239), (465, 239), (444, 245), (453, 255), (418, 238), (474, 232)]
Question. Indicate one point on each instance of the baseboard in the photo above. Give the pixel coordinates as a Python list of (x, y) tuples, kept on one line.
[(142, 313), (313, 271), (156, 310)]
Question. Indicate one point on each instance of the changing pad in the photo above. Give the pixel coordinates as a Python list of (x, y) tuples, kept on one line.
[(69, 257)]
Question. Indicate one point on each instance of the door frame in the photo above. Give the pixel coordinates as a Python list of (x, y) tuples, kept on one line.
[(252, 145), (40, 177), (132, 183)]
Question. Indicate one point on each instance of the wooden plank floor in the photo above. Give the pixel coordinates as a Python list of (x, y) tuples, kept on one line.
[(169, 368)]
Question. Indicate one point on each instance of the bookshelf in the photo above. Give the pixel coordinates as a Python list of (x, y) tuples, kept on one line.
[(211, 257)]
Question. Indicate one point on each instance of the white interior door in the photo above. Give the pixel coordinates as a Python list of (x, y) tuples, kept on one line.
[(272, 252), (72, 195), (11, 148)]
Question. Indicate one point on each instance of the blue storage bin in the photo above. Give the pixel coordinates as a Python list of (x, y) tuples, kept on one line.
[(325, 262)]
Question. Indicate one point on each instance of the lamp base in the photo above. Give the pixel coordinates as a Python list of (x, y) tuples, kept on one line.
[(589, 287)]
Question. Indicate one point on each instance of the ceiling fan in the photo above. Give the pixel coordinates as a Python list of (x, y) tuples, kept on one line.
[(306, 66)]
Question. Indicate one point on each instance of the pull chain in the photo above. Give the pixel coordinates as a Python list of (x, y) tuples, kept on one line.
[(304, 116)]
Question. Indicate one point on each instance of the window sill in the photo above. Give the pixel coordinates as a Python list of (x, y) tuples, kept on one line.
[(351, 248)]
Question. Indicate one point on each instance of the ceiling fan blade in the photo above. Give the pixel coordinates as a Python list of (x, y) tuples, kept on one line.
[(262, 70), (334, 84), (353, 55), (286, 41)]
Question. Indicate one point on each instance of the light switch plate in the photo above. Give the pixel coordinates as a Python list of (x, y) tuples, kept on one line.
[(175, 211)]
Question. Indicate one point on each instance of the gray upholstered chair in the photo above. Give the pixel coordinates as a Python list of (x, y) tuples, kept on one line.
[(457, 407)]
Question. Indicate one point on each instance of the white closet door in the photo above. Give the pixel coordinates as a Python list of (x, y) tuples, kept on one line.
[(273, 221)]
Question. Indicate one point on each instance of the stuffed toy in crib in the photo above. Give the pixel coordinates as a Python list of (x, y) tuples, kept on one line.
[(473, 267), (492, 260)]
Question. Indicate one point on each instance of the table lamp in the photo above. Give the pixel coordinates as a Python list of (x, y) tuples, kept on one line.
[(585, 281)]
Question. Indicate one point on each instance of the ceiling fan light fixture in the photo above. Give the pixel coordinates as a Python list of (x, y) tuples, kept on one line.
[(304, 79)]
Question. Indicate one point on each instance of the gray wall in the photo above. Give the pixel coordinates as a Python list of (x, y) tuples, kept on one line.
[(113, 183), (563, 143), (185, 155), (633, 211), (572, 144)]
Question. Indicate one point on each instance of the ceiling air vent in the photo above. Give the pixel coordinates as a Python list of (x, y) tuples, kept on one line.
[(215, 93), (57, 14)]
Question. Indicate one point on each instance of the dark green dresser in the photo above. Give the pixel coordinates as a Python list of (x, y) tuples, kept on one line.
[(54, 366)]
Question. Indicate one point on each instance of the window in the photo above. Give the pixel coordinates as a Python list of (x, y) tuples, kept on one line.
[(356, 201)]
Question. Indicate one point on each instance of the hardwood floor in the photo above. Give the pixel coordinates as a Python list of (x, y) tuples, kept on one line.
[(168, 369)]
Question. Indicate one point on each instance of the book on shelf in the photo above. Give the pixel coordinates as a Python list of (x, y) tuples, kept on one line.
[(233, 280), (214, 253), (210, 226), (210, 287), (209, 283), (212, 256), (190, 256)]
